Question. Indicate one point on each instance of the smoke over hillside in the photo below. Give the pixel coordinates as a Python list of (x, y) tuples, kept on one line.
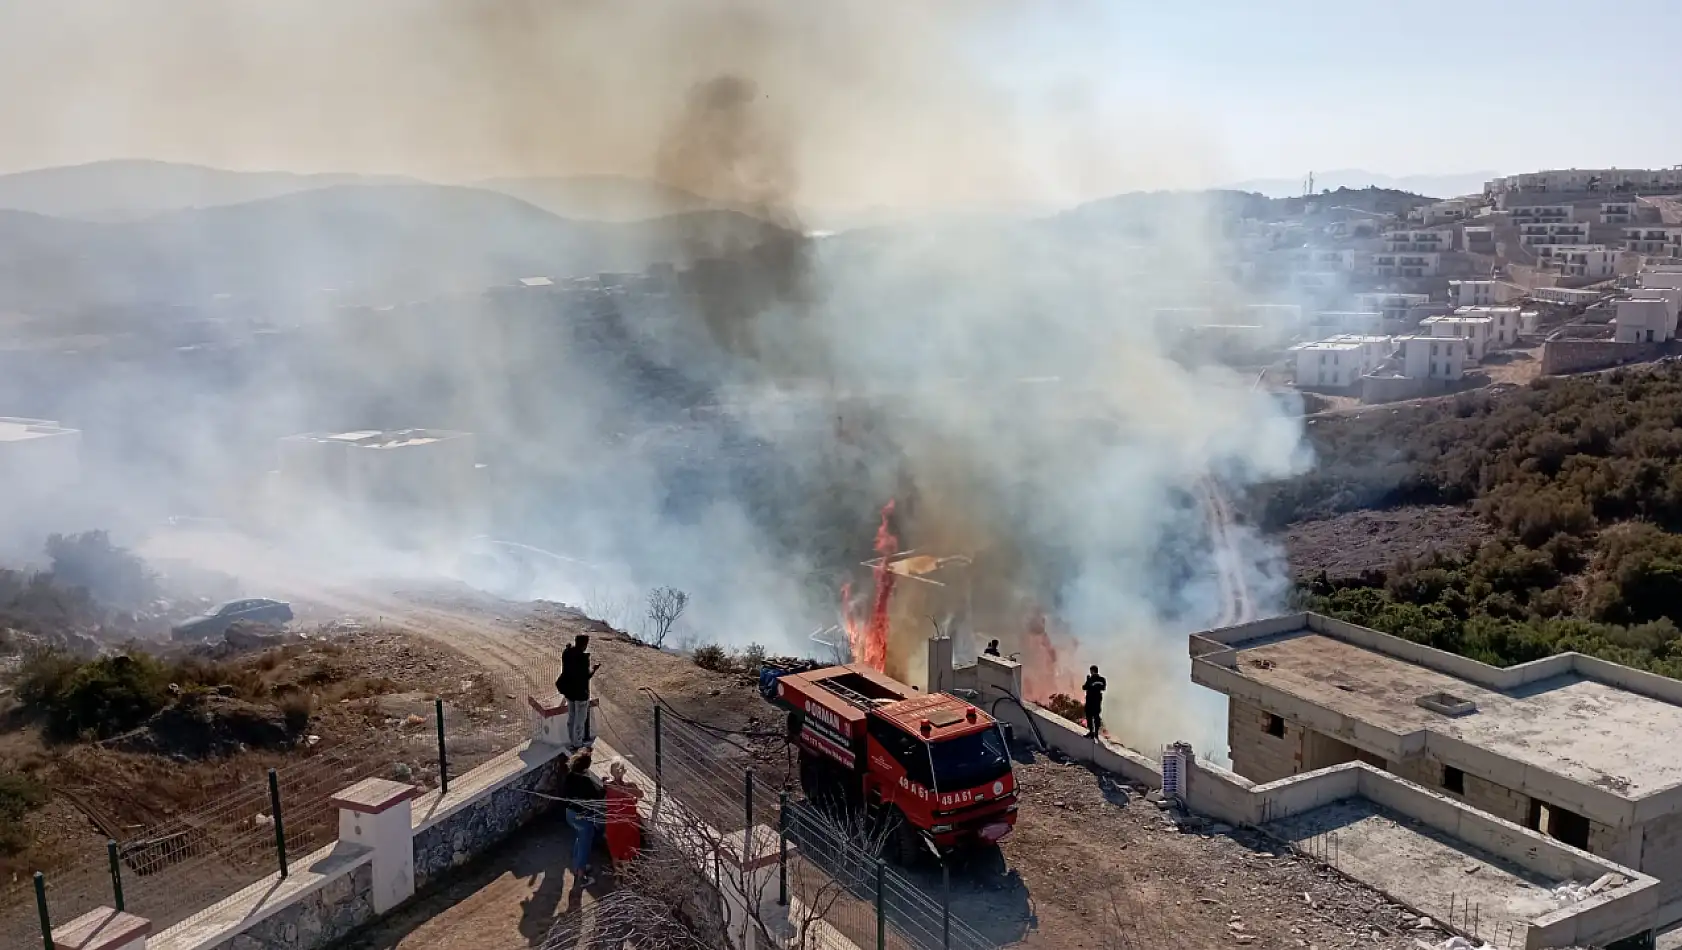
[(806, 382)]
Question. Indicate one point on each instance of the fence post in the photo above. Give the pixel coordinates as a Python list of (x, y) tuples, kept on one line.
[(279, 828), (443, 759), (782, 848), (657, 757), (41, 906), (945, 904), (881, 906), (116, 873), (747, 829)]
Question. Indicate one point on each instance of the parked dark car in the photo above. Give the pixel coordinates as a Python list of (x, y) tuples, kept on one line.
[(216, 623)]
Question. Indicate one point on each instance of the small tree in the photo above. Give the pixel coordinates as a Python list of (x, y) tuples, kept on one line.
[(665, 606)]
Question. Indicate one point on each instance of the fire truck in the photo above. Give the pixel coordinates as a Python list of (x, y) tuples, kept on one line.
[(932, 765)]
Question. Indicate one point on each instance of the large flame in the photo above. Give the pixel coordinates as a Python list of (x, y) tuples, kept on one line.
[(868, 635)]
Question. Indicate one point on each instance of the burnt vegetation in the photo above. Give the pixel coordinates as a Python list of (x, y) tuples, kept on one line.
[(1580, 482)]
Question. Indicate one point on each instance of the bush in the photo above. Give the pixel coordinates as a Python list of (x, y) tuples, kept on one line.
[(1068, 707), (18, 795), (711, 656), (111, 574), (109, 696), (751, 658), (296, 708)]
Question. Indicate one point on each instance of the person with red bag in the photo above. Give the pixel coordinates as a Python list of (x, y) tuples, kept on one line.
[(624, 825)]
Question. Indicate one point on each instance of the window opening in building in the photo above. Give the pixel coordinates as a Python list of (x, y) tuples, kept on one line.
[(1454, 780), (1275, 726)]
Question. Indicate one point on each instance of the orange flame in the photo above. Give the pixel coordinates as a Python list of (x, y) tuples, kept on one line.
[(1043, 671), (868, 636)]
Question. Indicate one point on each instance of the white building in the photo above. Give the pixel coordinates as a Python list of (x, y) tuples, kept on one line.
[(1542, 214), (1405, 265), (1567, 296), (1432, 357), (1476, 332), (1593, 262), (1553, 232), (1395, 308), (1648, 320), (419, 481), (40, 461), (1504, 325), (1647, 181), (1339, 362), (1323, 258), (1658, 240), (1620, 211), (1441, 212), (1318, 281), (1672, 299), (1478, 239), (1481, 293), (1420, 242), (1662, 277), (1328, 323)]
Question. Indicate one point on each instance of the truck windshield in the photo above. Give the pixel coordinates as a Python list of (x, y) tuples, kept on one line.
[(971, 760)]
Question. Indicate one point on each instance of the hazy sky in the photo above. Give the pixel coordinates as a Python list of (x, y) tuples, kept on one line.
[(878, 102)]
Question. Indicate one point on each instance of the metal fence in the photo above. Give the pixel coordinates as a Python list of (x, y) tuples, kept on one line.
[(192, 863)]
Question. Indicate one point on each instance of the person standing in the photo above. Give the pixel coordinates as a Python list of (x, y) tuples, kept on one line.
[(574, 684), (624, 829), (992, 648), (585, 801), (1094, 703)]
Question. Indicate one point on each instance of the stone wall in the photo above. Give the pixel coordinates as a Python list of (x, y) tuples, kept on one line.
[(476, 827), (1380, 389), (1575, 356), (317, 920)]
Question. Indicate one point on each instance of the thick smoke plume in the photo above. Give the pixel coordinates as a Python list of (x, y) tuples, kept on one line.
[(1000, 380)]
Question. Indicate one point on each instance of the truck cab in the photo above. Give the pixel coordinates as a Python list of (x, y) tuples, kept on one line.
[(936, 764)]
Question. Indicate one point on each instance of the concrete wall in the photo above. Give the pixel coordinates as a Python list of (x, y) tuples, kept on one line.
[(1660, 846), (1614, 914), (482, 809), (1257, 754), (1574, 356), (998, 680), (331, 892), (318, 919)]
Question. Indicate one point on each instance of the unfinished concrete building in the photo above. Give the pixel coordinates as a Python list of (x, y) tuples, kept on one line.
[(408, 484), (1574, 747)]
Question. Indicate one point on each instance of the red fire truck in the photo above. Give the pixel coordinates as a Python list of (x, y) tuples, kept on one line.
[(934, 765)]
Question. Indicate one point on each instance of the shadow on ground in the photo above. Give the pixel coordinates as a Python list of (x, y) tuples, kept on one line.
[(509, 898)]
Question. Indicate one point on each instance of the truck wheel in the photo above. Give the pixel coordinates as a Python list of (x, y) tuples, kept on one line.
[(904, 845)]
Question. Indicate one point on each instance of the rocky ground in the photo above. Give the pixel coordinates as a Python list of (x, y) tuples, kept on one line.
[(1108, 867)]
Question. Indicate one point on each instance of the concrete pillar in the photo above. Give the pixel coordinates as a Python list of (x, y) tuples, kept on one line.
[(549, 721), (940, 664), (999, 675), (103, 928), (375, 813), (748, 885)]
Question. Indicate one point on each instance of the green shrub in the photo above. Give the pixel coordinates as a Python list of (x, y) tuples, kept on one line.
[(711, 656)]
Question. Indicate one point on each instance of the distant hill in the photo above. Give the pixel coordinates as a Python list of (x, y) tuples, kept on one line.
[(130, 189), (1142, 212), (601, 197), (370, 243), (1436, 186)]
